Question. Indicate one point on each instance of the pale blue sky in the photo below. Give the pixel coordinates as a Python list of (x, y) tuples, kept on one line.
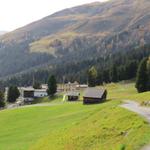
[(17, 13)]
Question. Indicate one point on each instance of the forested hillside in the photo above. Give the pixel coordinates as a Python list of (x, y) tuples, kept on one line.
[(77, 37), (118, 66)]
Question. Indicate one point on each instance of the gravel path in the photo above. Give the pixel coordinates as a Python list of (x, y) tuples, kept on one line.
[(143, 111), (135, 107), (146, 148)]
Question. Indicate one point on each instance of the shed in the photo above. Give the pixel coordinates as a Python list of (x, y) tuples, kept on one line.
[(73, 96), (94, 95)]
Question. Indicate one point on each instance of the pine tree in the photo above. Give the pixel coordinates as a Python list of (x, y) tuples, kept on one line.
[(13, 94), (2, 102), (92, 77), (142, 77), (148, 74), (52, 85)]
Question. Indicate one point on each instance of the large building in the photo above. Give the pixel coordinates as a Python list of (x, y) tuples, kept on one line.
[(28, 94)]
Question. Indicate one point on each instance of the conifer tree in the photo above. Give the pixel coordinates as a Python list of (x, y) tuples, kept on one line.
[(92, 77), (2, 103), (148, 74), (142, 77), (13, 94), (52, 85)]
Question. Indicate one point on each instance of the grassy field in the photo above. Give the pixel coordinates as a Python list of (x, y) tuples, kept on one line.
[(126, 91), (73, 126)]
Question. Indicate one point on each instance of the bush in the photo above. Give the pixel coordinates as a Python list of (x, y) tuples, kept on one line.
[(123, 147), (2, 104)]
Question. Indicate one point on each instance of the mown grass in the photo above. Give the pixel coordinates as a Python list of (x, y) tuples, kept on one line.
[(73, 126), (108, 127), (126, 91)]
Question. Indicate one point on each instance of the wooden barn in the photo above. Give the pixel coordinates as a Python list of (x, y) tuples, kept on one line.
[(94, 95), (73, 96)]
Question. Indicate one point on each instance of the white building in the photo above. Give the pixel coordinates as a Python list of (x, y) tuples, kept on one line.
[(40, 93), (28, 93)]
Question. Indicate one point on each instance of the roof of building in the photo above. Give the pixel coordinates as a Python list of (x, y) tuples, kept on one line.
[(73, 93), (82, 86), (94, 92), (40, 90), (32, 89), (27, 88)]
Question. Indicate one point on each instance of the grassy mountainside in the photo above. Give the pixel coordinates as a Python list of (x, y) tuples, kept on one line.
[(75, 126), (90, 30)]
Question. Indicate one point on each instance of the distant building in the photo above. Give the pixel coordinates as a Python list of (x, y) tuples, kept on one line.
[(73, 96), (44, 86), (71, 86), (94, 95), (27, 94), (40, 93), (81, 86)]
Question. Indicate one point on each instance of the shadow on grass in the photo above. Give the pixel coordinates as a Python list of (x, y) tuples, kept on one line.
[(48, 99), (96, 103)]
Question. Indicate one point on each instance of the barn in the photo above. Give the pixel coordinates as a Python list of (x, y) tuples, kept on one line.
[(94, 96), (73, 96)]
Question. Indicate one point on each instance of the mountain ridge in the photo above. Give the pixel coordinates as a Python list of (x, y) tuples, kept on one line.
[(92, 30)]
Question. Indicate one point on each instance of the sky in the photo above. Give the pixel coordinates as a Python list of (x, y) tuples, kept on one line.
[(17, 13)]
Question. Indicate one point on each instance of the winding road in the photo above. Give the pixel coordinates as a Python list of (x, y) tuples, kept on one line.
[(143, 111), (135, 107)]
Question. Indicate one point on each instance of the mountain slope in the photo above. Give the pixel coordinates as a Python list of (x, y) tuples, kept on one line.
[(90, 30), (2, 32)]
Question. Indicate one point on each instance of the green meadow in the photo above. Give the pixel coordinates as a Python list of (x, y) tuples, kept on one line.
[(74, 126)]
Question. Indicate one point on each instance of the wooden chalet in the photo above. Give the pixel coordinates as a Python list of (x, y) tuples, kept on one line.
[(94, 95)]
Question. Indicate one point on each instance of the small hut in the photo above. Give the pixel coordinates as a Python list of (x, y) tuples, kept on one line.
[(73, 96), (94, 95)]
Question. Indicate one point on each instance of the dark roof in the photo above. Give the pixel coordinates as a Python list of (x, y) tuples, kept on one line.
[(94, 93)]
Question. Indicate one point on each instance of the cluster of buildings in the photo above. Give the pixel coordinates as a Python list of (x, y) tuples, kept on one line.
[(72, 90), (28, 94), (90, 96), (71, 87)]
